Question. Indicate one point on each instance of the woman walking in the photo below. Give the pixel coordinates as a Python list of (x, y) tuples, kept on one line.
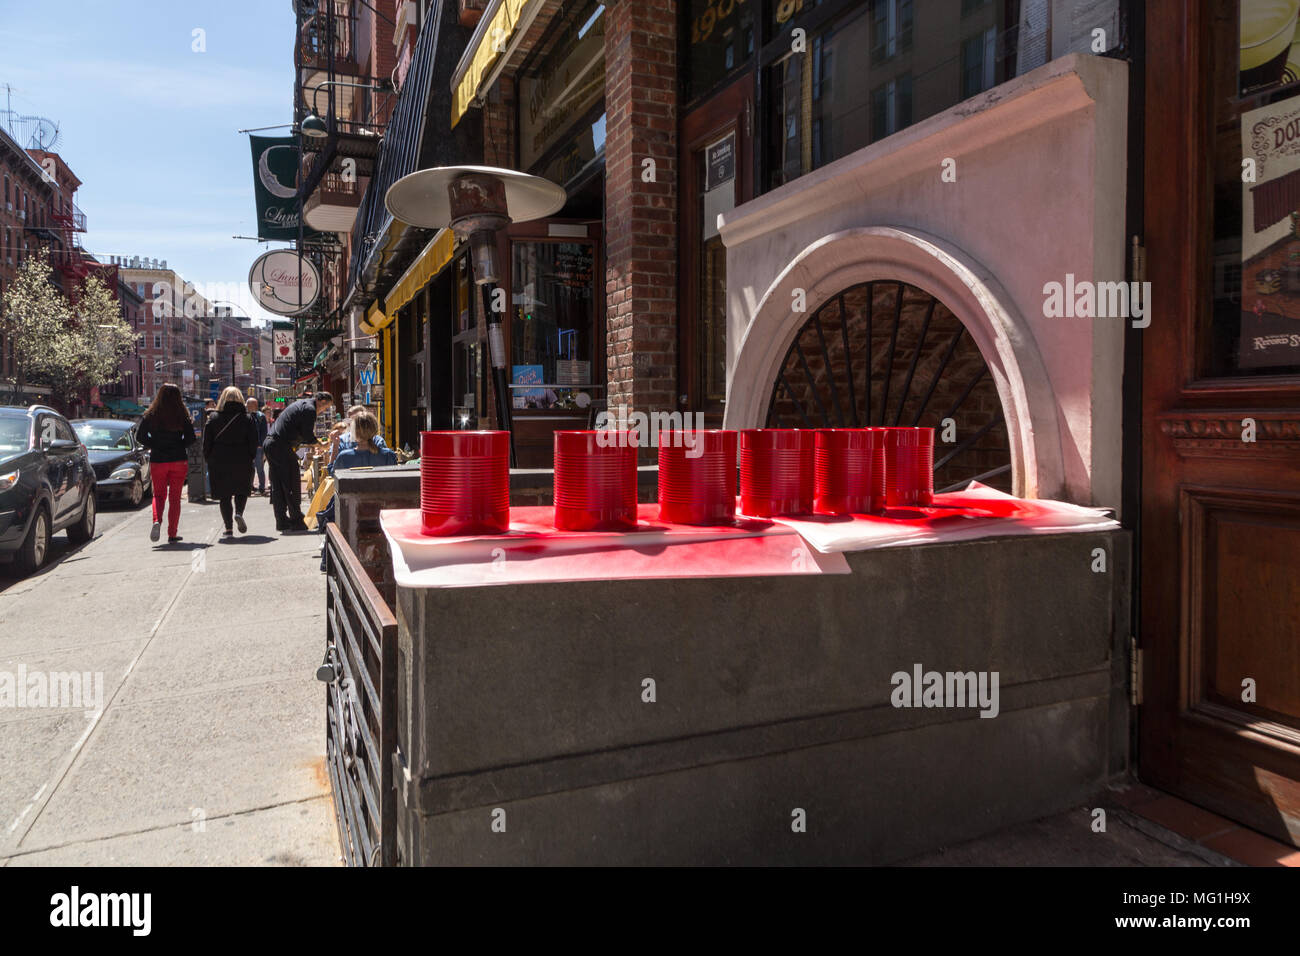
[(166, 430), (229, 446)]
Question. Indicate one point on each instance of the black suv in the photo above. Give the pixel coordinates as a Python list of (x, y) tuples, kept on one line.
[(46, 485)]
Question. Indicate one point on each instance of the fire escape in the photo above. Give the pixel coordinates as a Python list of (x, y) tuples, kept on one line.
[(340, 140), (67, 256)]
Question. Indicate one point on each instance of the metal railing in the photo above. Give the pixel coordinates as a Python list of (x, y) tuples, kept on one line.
[(360, 671)]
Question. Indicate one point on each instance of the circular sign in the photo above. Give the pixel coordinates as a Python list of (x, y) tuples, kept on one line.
[(280, 285)]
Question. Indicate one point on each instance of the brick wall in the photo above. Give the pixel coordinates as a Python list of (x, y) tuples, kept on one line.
[(499, 125), (641, 217)]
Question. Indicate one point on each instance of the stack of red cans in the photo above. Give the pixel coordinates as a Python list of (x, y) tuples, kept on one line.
[(909, 466), (697, 477), (464, 483), (848, 471), (776, 471), (595, 481)]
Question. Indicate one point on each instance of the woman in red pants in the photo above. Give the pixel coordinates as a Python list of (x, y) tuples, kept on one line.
[(166, 430)]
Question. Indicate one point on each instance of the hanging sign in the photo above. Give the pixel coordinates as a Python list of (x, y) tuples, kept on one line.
[(283, 283), (275, 187), (282, 347)]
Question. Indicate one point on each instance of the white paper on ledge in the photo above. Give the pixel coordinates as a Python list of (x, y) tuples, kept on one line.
[(1049, 517)]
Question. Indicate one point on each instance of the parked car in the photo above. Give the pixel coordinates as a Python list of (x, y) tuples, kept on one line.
[(121, 463), (47, 485)]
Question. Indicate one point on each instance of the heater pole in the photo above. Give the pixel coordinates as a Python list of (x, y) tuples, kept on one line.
[(497, 355)]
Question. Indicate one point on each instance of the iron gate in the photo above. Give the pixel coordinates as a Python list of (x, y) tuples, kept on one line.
[(360, 671)]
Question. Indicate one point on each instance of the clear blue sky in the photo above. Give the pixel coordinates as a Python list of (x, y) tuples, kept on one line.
[(149, 125)]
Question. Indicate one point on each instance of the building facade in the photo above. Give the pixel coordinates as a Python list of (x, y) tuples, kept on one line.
[(1024, 224)]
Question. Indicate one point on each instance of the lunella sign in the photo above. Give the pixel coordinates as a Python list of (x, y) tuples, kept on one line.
[(283, 283)]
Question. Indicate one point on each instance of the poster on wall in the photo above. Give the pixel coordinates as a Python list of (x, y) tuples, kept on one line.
[(527, 375), (1270, 248), (1270, 55)]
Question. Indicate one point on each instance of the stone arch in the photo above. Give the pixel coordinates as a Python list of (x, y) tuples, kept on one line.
[(843, 259)]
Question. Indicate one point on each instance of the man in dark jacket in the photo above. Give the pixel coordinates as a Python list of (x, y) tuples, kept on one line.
[(294, 426), (261, 424)]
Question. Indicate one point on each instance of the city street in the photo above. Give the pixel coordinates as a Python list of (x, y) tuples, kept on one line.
[(209, 747)]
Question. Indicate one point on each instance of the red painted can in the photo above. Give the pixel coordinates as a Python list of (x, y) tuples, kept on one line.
[(909, 466), (595, 481), (848, 471), (776, 471), (464, 483), (697, 476)]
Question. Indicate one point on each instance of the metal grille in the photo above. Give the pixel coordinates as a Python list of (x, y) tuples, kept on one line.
[(360, 669), (887, 353)]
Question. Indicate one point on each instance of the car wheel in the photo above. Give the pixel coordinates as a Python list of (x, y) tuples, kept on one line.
[(84, 529), (36, 546), (137, 492)]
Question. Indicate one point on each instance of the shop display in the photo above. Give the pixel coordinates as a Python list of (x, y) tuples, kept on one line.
[(595, 481), (776, 471), (464, 482)]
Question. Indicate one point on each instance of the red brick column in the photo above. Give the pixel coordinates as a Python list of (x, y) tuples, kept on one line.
[(499, 125), (640, 216)]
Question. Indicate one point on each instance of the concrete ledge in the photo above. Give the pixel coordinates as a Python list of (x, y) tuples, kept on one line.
[(771, 694)]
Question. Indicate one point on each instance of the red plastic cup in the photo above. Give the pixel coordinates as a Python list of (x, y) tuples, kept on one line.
[(697, 476), (909, 466), (848, 471), (776, 471), (595, 481), (464, 483)]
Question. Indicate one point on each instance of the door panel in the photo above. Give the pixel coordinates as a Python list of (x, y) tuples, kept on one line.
[(716, 145), (1219, 535)]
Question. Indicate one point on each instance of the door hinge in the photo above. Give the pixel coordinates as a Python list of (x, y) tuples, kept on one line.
[(1137, 260), (1134, 672)]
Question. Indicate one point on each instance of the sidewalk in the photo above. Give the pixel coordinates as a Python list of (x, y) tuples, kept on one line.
[(210, 746)]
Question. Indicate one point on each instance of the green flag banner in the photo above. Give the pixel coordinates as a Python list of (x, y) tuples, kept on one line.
[(275, 187)]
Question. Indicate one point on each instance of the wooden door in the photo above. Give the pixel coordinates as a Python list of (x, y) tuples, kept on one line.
[(1220, 516), (717, 163)]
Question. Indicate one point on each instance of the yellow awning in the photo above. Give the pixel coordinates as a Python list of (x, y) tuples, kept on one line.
[(375, 319), (491, 43), (426, 265)]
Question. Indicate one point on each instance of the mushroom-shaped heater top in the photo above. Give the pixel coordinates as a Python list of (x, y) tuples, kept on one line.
[(422, 198)]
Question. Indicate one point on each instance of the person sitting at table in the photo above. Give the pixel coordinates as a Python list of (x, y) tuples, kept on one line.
[(341, 435), (365, 452)]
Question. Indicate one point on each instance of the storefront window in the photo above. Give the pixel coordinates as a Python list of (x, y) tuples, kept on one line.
[(852, 78), (720, 42), (553, 324), (1255, 324)]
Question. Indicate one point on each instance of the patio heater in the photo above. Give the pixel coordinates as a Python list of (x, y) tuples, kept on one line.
[(477, 202)]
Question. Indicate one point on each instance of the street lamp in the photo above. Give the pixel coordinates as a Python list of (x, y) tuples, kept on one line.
[(317, 128), (477, 202)]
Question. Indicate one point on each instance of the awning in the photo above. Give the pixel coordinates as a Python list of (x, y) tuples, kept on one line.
[(498, 33), (436, 254), (375, 319), (123, 405)]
